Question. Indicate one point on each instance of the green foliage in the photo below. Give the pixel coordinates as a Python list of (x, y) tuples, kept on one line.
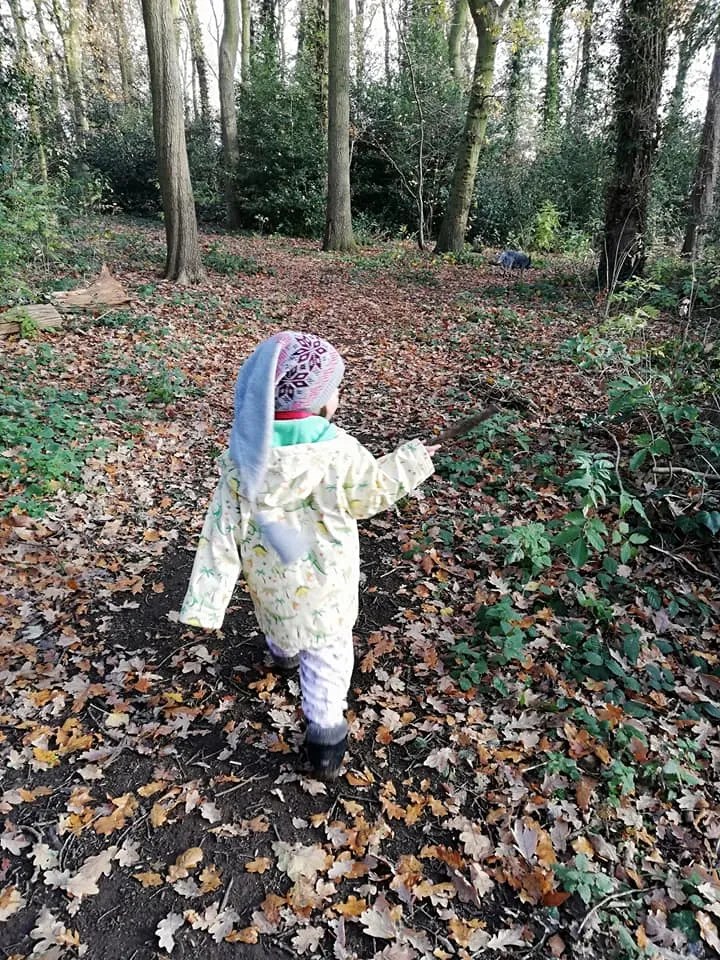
[(583, 879), (121, 149), (46, 441), (232, 264), (547, 226), (528, 545), (30, 234), (280, 179)]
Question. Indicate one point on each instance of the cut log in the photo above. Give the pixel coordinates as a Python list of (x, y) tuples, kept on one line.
[(104, 293), (42, 315)]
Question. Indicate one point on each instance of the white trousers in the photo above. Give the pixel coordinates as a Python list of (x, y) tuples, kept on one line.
[(325, 676)]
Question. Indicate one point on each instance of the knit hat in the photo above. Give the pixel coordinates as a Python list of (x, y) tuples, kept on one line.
[(288, 372), (308, 371)]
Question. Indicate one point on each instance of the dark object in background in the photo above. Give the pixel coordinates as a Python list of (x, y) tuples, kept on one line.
[(513, 260)]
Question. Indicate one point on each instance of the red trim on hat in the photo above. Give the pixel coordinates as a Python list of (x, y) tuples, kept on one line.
[(293, 414)]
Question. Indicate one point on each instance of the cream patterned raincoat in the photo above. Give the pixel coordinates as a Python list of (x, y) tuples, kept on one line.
[(321, 489)]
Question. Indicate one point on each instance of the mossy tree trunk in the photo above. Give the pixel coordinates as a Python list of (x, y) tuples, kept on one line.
[(642, 46), (706, 172), (488, 17)]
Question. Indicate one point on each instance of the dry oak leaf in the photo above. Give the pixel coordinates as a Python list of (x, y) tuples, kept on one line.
[(468, 933), (381, 920), (352, 907), (151, 788), (248, 935), (441, 759), (149, 879), (11, 900), (259, 865), (708, 930), (512, 937), (362, 780), (158, 815), (308, 940), (299, 861), (166, 930), (210, 879), (185, 862), (125, 806)]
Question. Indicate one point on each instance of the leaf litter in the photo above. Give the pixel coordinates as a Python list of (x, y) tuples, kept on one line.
[(150, 793)]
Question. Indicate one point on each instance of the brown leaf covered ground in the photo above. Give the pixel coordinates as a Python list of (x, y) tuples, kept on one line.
[(153, 801)]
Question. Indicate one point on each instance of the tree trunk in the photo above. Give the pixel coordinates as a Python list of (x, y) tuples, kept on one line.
[(125, 61), (518, 72), (313, 54), (246, 41), (338, 223), (553, 70), (696, 31), (183, 261), (581, 91), (72, 32), (488, 17), (197, 51), (359, 37), (642, 46), (460, 11), (268, 19), (706, 172), (50, 64), (386, 29), (228, 111), (26, 67)]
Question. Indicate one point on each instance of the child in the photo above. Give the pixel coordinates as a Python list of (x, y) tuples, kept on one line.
[(292, 486)]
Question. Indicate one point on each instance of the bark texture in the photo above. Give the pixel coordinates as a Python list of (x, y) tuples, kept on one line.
[(338, 221), (487, 17), (183, 262), (642, 45), (228, 113), (706, 172)]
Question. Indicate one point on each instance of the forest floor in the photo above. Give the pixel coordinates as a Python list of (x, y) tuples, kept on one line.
[(535, 755)]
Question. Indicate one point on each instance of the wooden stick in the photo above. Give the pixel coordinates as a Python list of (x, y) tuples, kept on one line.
[(465, 426)]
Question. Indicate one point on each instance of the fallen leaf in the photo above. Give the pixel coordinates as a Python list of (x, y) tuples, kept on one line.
[(11, 900), (166, 930), (248, 935), (185, 862), (308, 940), (259, 865), (210, 879), (708, 930), (149, 879)]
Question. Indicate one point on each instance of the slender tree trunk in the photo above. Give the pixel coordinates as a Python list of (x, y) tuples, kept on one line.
[(518, 68), (488, 17), (125, 61), (183, 262), (72, 31), (706, 172), (313, 54), (553, 70), (460, 12), (228, 111), (642, 45), (386, 33), (197, 51), (359, 36), (581, 91), (246, 41), (268, 18), (51, 67), (338, 223), (26, 66)]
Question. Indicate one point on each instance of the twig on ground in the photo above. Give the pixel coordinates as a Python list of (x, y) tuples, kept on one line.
[(604, 902), (702, 474), (227, 894), (680, 559)]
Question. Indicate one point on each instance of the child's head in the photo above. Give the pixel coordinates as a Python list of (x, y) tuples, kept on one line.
[(307, 374)]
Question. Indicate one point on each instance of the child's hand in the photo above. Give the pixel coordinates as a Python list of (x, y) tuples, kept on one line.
[(432, 448)]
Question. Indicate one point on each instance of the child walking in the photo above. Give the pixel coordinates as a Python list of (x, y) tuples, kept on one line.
[(292, 488)]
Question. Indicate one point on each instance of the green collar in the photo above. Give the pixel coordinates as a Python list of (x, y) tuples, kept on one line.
[(288, 433)]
